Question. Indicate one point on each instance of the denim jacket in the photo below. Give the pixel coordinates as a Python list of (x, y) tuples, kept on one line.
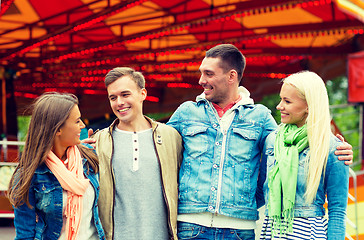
[(334, 184), (219, 171), (45, 219)]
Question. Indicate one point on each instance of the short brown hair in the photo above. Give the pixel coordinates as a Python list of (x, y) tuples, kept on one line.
[(230, 58), (119, 72)]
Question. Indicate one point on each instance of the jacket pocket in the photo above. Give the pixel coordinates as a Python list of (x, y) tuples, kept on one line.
[(242, 143), (270, 158), (195, 140), (44, 192)]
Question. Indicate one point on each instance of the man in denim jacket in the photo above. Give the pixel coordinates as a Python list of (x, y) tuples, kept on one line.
[(223, 132)]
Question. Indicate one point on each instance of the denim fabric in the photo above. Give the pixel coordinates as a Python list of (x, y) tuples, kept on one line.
[(45, 220), (194, 231), (220, 170), (334, 183)]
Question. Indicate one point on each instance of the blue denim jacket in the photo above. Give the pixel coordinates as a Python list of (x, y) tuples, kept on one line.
[(219, 172), (334, 183), (45, 219)]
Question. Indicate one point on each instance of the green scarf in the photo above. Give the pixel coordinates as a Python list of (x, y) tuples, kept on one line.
[(282, 178)]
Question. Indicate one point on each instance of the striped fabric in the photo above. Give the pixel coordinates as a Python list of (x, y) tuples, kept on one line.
[(311, 228)]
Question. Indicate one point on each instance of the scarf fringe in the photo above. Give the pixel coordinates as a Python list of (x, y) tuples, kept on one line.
[(283, 224)]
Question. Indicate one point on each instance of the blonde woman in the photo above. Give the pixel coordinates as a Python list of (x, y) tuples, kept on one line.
[(302, 169), (55, 187)]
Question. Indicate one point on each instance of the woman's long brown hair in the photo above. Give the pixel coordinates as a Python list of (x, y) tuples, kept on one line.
[(50, 112)]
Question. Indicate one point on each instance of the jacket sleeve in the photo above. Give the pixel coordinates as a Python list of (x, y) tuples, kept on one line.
[(269, 127), (25, 219), (174, 120), (337, 187)]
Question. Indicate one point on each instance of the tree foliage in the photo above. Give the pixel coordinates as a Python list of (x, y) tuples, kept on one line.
[(345, 115)]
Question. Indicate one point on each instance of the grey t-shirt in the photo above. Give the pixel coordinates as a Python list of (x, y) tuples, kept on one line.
[(139, 210)]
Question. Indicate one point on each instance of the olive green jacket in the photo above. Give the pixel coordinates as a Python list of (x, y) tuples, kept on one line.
[(168, 145)]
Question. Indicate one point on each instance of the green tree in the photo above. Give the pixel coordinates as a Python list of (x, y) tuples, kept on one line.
[(23, 124), (345, 115)]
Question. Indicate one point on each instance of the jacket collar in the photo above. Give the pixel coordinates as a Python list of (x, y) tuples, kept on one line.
[(41, 169), (244, 93), (152, 122)]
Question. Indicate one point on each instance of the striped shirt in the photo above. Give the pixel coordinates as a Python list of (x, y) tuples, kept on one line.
[(311, 228)]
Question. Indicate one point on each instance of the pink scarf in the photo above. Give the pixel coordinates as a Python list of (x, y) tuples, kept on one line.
[(73, 181)]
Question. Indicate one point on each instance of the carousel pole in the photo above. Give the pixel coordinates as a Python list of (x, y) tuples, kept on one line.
[(3, 107)]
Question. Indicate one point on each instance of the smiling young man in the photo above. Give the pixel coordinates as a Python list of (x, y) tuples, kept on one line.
[(138, 165), (223, 133)]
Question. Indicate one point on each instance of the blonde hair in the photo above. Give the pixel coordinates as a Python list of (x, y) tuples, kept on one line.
[(312, 89)]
